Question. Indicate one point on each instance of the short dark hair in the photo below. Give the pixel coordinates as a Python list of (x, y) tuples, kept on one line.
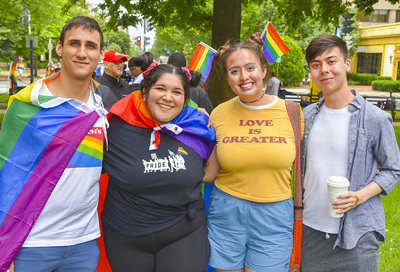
[(325, 42), (140, 61), (151, 79), (150, 56), (226, 51), (87, 23), (177, 59)]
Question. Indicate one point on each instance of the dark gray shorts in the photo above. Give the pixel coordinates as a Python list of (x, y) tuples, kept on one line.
[(318, 255)]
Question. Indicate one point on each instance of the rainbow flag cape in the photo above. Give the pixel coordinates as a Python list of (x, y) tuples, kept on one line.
[(13, 78), (191, 123), (39, 136), (273, 47), (202, 60)]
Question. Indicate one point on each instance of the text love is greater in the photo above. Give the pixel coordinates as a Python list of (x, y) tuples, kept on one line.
[(256, 128)]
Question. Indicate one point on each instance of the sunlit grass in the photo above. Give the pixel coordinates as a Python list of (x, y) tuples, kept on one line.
[(4, 97), (390, 250)]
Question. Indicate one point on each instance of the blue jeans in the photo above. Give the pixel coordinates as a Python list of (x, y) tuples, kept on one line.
[(80, 257)]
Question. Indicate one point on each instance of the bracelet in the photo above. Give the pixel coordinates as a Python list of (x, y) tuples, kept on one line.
[(357, 200)]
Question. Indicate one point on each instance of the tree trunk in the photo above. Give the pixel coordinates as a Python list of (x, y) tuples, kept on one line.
[(225, 27)]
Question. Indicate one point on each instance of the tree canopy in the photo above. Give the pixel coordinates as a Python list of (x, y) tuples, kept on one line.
[(198, 14)]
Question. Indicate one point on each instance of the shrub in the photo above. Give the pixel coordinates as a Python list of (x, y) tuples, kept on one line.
[(349, 82), (386, 85), (291, 71), (364, 78), (41, 65)]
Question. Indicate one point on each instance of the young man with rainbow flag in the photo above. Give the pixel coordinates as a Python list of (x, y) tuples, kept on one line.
[(51, 150)]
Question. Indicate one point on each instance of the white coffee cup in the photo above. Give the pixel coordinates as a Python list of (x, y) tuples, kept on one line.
[(337, 185)]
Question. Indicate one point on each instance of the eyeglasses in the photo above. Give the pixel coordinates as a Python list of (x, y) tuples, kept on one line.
[(249, 69), (117, 62)]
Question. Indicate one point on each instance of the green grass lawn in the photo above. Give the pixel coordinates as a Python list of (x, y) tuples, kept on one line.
[(4, 97), (390, 249)]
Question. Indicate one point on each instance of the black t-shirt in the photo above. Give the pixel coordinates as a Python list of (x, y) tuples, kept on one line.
[(149, 190)]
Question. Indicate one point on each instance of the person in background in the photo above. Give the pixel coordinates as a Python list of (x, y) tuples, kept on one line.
[(251, 212), (150, 57), (50, 68), (49, 177), (344, 136), (20, 68), (137, 65), (197, 94), (154, 217), (125, 74), (98, 72), (113, 62), (273, 85), (58, 67)]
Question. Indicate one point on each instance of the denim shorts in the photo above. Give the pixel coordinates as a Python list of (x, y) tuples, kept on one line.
[(246, 233), (80, 257)]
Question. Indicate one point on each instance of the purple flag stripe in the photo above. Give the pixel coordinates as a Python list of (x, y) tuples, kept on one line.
[(33, 197), (195, 140)]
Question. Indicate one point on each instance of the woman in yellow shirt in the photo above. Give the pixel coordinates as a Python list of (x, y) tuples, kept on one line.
[(251, 209)]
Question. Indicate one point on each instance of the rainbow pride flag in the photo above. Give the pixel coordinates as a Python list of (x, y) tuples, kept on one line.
[(273, 47), (189, 127), (40, 137), (182, 151), (13, 79), (202, 59)]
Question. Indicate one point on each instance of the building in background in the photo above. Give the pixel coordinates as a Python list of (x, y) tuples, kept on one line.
[(378, 50)]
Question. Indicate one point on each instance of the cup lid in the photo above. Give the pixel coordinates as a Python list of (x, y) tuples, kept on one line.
[(338, 181)]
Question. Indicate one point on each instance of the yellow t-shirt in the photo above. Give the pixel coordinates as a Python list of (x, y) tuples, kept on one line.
[(255, 149)]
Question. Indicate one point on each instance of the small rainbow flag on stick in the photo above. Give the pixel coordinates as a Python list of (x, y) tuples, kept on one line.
[(13, 79), (202, 59), (273, 47)]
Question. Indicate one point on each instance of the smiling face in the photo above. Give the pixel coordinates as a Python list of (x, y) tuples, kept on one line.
[(328, 71), (245, 74), (165, 99), (80, 52)]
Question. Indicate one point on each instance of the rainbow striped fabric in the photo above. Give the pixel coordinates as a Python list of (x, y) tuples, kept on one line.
[(202, 60), (192, 123), (50, 70), (182, 151), (273, 47), (39, 139), (20, 65), (13, 78)]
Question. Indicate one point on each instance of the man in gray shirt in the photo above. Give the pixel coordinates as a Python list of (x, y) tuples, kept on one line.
[(273, 85)]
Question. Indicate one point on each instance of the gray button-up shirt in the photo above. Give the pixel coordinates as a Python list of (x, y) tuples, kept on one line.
[(372, 144)]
